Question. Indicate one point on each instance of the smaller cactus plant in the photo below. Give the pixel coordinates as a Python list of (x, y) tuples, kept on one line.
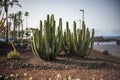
[(79, 42)]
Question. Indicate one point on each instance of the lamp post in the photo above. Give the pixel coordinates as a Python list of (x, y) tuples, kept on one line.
[(83, 14)]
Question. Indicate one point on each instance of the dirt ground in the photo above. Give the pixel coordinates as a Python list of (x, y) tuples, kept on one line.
[(95, 67)]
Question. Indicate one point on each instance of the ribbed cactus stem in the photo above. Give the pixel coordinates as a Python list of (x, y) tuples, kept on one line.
[(68, 31), (60, 34), (40, 35), (92, 38), (83, 30), (87, 42), (75, 31), (75, 37), (34, 43)]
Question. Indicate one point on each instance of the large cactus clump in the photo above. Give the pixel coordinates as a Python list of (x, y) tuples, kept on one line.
[(47, 41), (79, 42)]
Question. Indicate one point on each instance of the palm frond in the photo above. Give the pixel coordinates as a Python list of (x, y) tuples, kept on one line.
[(18, 5), (15, 1)]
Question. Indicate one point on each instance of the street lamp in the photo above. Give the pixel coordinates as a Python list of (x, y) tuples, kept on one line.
[(83, 13)]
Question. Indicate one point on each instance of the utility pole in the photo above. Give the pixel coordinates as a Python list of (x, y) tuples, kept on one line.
[(83, 14)]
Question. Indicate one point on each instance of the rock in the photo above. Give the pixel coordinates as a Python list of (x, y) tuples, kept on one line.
[(7, 78), (25, 74), (2, 77), (11, 75), (115, 64), (58, 77), (23, 65), (17, 76), (49, 79), (30, 78), (69, 77), (93, 78)]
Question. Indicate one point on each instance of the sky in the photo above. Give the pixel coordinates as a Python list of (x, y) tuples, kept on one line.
[(102, 15)]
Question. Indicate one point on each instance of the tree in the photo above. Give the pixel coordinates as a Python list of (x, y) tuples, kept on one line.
[(6, 4), (2, 24), (13, 17), (22, 31), (19, 23), (26, 14)]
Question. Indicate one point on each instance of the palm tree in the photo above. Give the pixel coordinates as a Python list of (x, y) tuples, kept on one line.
[(2, 26), (19, 23), (22, 32), (6, 4), (11, 17), (14, 18), (26, 14), (1, 14)]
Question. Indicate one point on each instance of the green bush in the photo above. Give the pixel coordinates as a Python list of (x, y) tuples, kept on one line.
[(13, 55), (105, 52)]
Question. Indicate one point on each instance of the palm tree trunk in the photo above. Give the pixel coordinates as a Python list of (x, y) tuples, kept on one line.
[(7, 27), (22, 33), (14, 33), (26, 21), (19, 33)]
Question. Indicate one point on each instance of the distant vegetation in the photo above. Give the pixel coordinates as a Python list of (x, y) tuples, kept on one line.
[(11, 24), (11, 27)]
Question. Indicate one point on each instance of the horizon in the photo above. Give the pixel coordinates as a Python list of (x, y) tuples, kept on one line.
[(101, 15)]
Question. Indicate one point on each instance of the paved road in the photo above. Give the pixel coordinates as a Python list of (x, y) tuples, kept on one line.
[(112, 49)]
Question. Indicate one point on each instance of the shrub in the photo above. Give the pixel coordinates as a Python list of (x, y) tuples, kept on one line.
[(13, 55), (105, 52)]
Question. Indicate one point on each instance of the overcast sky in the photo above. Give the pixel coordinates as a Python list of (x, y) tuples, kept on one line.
[(103, 15)]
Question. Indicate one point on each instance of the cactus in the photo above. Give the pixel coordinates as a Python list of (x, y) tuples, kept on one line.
[(48, 43), (79, 42), (92, 38), (67, 40)]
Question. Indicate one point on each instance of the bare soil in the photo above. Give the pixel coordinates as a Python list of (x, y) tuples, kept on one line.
[(94, 67)]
